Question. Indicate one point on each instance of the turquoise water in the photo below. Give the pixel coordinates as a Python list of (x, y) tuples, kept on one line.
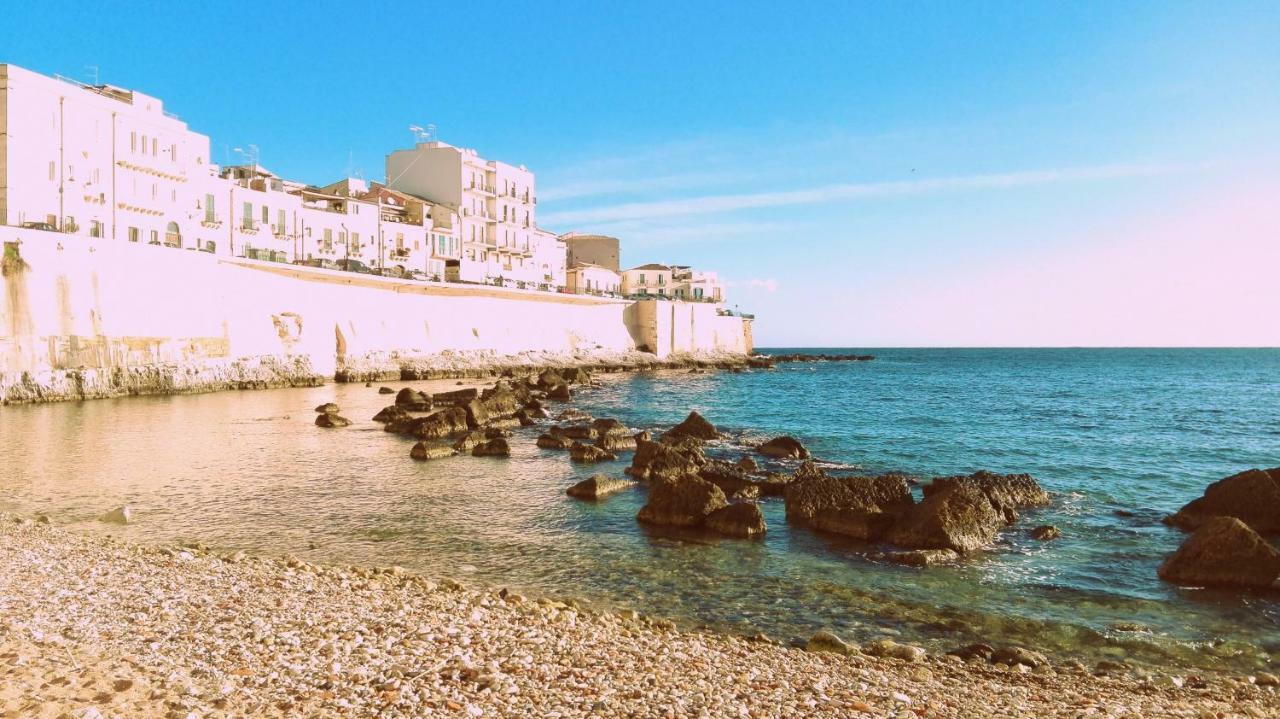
[(1136, 430)]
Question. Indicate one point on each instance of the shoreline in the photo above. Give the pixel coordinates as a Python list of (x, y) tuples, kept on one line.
[(94, 624)]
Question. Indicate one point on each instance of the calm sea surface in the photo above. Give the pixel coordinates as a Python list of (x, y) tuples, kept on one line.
[(1103, 430)]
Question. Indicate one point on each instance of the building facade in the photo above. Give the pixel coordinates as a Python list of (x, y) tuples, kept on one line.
[(585, 278), (601, 250)]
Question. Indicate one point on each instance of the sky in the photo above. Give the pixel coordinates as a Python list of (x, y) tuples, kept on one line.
[(860, 174)]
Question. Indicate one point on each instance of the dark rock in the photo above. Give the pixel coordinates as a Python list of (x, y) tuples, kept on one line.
[(1046, 532), (576, 375), (586, 453), (560, 393), (806, 498), (616, 443), (547, 379), (774, 484), (610, 427), (332, 420), (392, 413), (960, 517), (493, 448), (579, 431), (1253, 497), (423, 451), (456, 397), (695, 425), (386, 390), (598, 487), (477, 415), (1013, 656), (551, 441), (973, 651), (447, 422), (656, 460), (857, 522), (413, 400), (469, 441), (808, 469), (731, 480), (684, 502), (1224, 551), (747, 464), (328, 408), (918, 557), (1007, 492), (737, 520), (783, 448), (522, 416)]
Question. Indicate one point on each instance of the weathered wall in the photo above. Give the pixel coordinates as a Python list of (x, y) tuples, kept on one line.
[(81, 317), (665, 327)]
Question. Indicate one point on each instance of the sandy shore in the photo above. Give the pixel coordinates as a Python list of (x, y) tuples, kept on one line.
[(93, 627)]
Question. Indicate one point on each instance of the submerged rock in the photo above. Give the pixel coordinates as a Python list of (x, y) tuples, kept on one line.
[(1224, 551), (973, 651), (598, 487), (737, 520), (120, 515), (1252, 496), (586, 453), (683, 502), (1046, 532), (747, 464), (332, 420), (918, 557), (425, 450), (497, 447), (856, 522), (1013, 656), (783, 448), (695, 425)]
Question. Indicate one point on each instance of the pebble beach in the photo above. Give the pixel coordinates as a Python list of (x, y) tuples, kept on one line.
[(91, 626)]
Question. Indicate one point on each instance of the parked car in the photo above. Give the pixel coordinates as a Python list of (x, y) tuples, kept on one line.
[(354, 266), (39, 226), (321, 262)]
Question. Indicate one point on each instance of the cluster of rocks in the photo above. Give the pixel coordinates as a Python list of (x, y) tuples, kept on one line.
[(327, 416), (1227, 545), (818, 358)]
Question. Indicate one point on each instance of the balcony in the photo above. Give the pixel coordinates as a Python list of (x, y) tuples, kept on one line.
[(483, 189)]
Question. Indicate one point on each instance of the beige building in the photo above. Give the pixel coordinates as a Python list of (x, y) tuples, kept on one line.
[(672, 281), (601, 250), (585, 278), (651, 279)]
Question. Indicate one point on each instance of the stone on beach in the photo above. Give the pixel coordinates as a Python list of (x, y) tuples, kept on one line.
[(1224, 551), (332, 420), (1252, 496), (682, 502), (783, 448), (825, 641), (889, 649), (598, 486)]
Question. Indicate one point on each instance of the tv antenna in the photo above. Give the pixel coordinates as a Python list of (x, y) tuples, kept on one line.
[(250, 156), (92, 71), (423, 134)]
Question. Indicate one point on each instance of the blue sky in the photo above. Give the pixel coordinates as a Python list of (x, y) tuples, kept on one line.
[(861, 174)]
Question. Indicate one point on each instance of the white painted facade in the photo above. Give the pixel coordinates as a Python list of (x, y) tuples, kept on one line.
[(584, 279)]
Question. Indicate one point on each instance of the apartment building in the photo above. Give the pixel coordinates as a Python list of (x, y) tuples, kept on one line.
[(651, 279), (586, 278), (674, 281)]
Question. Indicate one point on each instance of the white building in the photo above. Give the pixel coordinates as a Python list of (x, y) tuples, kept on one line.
[(585, 278), (496, 204), (650, 279), (674, 281)]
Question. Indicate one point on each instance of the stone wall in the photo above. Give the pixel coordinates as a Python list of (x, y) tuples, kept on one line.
[(84, 317)]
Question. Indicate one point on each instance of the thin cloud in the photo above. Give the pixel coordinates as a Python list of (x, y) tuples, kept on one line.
[(768, 285), (600, 188), (849, 191)]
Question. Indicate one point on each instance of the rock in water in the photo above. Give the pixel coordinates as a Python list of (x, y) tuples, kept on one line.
[(827, 642), (747, 464), (120, 515), (659, 460), (332, 420), (392, 413), (1046, 532), (1007, 493), (413, 400), (598, 486), (1253, 497), (695, 425), (1224, 551), (806, 498), (386, 390), (553, 441), (579, 452), (737, 520), (918, 557), (783, 448), (866, 523), (328, 408), (683, 502), (960, 518), (560, 393), (423, 451), (493, 448)]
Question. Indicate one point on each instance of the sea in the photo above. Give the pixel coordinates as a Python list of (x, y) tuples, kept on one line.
[(1119, 437)]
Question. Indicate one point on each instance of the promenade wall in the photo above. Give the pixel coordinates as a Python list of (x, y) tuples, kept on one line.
[(83, 317)]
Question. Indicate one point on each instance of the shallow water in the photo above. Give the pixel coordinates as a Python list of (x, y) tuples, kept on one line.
[(1140, 430)]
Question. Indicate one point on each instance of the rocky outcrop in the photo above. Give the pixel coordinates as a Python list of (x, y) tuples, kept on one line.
[(659, 460), (589, 454), (332, 420), (732, 481), (783, 448), (456, 397), (413, 401), (1007, 493), (554, 441), (497, 447), (328, 408), (1252, 496), (392, 413), (695, 425), (386, 390), (598, 487), (443, 423), (807, 497), (737, 520), (856, 522), (560, 393), (918, 557), (683, 502), (616, 443), (425, 450), (1224, 551), (960, 518)]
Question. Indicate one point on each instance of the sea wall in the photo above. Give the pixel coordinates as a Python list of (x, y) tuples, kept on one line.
[(84, 317)]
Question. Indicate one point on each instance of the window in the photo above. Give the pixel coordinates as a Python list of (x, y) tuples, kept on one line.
[(642, 278), (280, 228), (69, 224), (53, 170), (210, 215), (662, 279), (155, 147), (133, 234), (155, 237), (133, 141), (661, 291), (246, 217), (355, 241), (266, 215), (95, 228), (144, 144), (173, 153), (327, 243)]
